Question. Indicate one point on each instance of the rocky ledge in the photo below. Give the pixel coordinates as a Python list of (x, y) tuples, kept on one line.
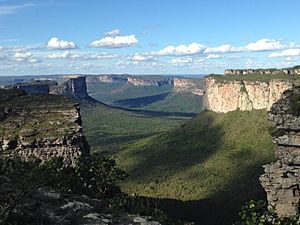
[(281, 179), (41, 125), (53, 207)]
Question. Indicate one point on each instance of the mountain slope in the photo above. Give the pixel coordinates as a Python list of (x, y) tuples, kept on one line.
[(212, 160)]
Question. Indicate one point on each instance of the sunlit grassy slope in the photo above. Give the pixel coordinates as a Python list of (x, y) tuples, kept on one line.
[(214, 157), (109, 129)]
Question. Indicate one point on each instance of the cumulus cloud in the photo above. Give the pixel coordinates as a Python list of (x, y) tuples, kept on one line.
[(115, 42), (83, 56), (285, 53), (140, 57), (112, 33), (264, 45), (171, 50), (56, 43), (181, 60), (21, 55), (212, 56), (227, 48)]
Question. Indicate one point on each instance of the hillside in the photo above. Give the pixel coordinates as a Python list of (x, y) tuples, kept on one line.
[(109, 129), (210, 161)]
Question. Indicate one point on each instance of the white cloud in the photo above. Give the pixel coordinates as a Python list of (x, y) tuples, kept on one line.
[(191, 49), (285, 53), (226, 48), (115, 42), (212, 56), (264, 45), (112, 33), (21, 55), (82, 56), (140, 57), (10, 9), (56, 43), (181, 60)]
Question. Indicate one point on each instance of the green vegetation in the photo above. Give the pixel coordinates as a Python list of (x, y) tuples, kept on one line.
[(197, 168), (110, 129), (258, 213), (110, 92), (165, 102), (256, 77)]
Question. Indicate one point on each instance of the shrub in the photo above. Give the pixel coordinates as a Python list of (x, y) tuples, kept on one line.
[(257, 213)]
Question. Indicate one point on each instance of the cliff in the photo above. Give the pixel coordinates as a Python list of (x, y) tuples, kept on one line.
[(228, 95), (34, 87), (41, 125), (149, 81), (294, 70), (281, 179), (194, 86), (74, 88)]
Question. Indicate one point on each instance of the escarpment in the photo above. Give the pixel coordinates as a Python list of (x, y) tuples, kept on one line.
[(223, 95), (195, 86), (281, 179), (39, 125), (293, 70)]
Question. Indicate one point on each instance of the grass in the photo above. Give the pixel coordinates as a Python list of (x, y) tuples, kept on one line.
[(257, 77), (109, 129), (200, 167)]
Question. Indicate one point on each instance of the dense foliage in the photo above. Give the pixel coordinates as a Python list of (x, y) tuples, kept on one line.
[(257, 213), (95, 175)]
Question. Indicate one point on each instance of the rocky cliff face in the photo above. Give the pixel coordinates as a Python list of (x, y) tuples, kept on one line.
[(142, 81), (194, 86), (34, 87), (293, 70), (41, 125), (282, 178), (74, 88), (228, 95)]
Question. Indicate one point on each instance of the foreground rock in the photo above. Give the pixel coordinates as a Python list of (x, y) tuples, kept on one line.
[(282, 178), (51, 207), (45, 126)]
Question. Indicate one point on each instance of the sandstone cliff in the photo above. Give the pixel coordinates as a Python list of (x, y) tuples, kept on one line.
[(282, 178), (228, 95), (41, 125), (74, 88), (33, 87), (194, 86), (149, 81)]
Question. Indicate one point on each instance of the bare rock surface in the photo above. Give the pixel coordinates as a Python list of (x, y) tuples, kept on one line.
[(281, 179)]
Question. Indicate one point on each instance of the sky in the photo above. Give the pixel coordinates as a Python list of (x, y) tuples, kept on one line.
[(147, 36)]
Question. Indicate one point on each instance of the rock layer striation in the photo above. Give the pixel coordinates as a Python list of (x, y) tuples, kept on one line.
[(228, 95), (44, 126), (281, 179)]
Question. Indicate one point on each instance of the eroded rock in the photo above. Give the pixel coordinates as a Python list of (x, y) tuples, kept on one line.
[(281, 179)]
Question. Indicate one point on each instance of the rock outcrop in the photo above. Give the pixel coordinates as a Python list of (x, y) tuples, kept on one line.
[(282, 178), (41, 125), (194, 86), (34, 87), (228, 95), (74, 88), (52, 207), (293, 70)]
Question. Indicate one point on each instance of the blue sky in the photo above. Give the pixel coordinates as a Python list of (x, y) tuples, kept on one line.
[(147, 36)]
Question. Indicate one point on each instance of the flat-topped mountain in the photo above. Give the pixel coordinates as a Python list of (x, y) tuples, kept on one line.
[(292, 70), (41, 125)]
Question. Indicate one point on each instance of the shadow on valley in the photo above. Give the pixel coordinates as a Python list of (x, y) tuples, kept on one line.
[(214, 159), (141, 101)]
